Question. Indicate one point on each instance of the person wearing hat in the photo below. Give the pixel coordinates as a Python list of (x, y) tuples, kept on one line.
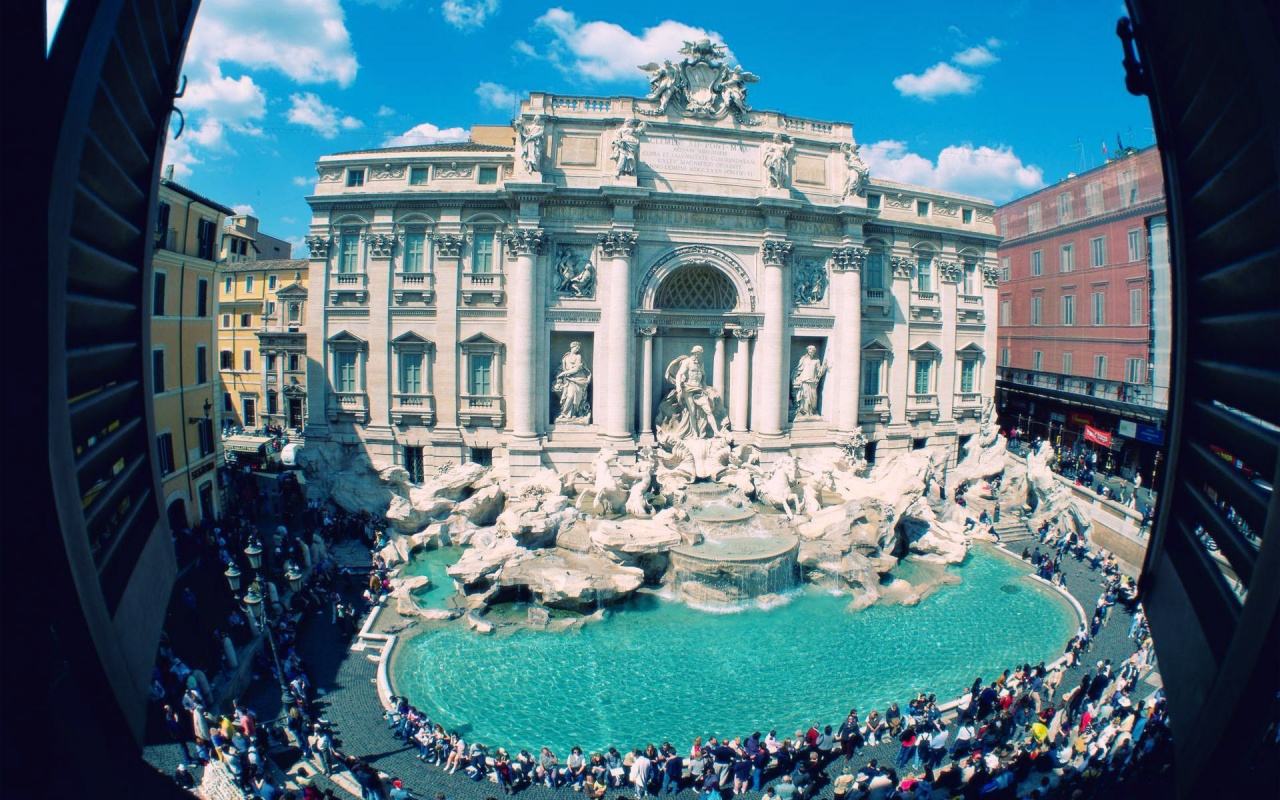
[(843, 783), (398, 792)]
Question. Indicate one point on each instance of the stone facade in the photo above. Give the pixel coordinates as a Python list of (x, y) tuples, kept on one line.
[(453, 278)]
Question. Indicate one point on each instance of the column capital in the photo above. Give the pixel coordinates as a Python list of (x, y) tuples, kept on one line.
[(743, 333), (618, 244), (648, 331), (527, 242), (318, 247), (990, 276), (776, 252), (381, 245), (949, 271), (448, 245), (902, 266), (848, 259)]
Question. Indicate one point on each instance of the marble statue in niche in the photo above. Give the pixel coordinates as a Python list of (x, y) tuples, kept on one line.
[(575, 274), (804, 384), (809, 286), (571, 384), (777, 162), (856, 182), (625, 147), (692, 409), (531, 136)]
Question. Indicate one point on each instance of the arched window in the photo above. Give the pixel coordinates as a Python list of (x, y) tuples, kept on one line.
[(698, 287)]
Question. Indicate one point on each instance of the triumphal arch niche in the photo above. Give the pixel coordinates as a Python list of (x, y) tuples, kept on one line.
[(645, 271)]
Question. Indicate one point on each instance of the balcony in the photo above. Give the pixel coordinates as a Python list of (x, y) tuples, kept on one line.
[(413, 407), (922, 407), (967, 404), (969, 309), (926, 305), (410, 287), (343, 285), (874, 409), (477, 410), (349, 405), (476, 285), (878, 298)]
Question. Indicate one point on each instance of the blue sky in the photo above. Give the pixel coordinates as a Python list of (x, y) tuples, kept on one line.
[(985, 98)]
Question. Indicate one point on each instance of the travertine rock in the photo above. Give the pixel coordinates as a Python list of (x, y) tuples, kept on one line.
[(626, 539), (483, 507), (485, 559), (1053, 500), (564, 579)]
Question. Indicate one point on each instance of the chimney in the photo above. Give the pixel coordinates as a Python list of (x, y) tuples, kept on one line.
[(168, 172)]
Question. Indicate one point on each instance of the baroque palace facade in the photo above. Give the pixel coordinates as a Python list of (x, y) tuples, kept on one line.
[(533, 291)]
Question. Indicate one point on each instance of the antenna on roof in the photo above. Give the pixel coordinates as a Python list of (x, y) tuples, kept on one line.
[(1080, 150), (168, 172)]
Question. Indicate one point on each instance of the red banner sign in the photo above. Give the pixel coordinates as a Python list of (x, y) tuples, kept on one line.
[(1079, 418), (1092, 434)]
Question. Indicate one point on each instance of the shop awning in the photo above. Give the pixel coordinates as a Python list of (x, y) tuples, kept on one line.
[(245, 444), (1117, 407)]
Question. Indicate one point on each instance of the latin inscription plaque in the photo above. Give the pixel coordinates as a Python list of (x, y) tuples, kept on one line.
[(716, 159)]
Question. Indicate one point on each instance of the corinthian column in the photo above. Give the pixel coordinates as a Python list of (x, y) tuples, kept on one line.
[(524, 246), (617, 248), (775, 254), (740, 378), (846, 268)]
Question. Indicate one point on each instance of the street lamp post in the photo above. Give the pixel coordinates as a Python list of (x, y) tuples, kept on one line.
[(257, 609)]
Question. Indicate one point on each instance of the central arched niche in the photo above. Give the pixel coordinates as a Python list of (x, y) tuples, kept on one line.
[(696, 287)]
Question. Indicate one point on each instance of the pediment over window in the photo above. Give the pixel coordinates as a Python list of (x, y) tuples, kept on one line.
[(876, 347), (927, 350), (971, 350), (347, 339), (480, 340), (412, 339)]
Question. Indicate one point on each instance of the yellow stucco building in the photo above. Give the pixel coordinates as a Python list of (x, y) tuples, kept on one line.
[(182, 352), (262, 350)]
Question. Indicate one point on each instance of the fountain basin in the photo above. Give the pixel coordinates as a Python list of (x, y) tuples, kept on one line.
[(731, 569)]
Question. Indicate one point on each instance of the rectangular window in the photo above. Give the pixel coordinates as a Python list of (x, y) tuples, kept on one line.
[(228, 405), (1128, 183), (1135, 306), (271, 362), (873, 201), (970, 284), (248, 360), (349, 254), (1037, 361), (293, 362), (162, 225), (246, 320), (1100, 367), (873, 274), (415, 248), (966, 216), (482, 253), (273, 403), (1068, 309), (227, 360), (1098, 251), (1006, 312), (481, 374), (1066, 363), (1033, 218), (271, 281), (157, 295), (1135, 244), (226, 320), (417, 176), (202, 298), (206, 239), (202, 363), (1004, 268), (271, 307), (482, 456), (922, 208), (1093, 199), (1098, 308), (411, 373), (1035, 310), (355, 177), (250, 412), (922, 375), (1037, 263), (344, 372), (226, 286), (413, 464), (968, 373), (924, 274), (204, 431), (1064, 207), (1135, 370), (1066, 258), (488, 176), (248, 284), (871, 377), (1004, 356), (157, 371), (164, 452)]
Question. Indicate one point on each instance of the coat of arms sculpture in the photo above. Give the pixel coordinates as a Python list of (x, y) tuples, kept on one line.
[(702, 85)]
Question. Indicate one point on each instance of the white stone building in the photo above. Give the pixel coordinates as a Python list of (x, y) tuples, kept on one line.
[(454, 277)]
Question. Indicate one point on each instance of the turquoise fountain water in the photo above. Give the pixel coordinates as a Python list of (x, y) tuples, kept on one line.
[(433, 564), (659, 670)]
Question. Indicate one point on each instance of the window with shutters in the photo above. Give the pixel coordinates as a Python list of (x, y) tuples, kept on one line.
[(206, 236), (1068, 309), (158, 294), (202, 364), (1064, 207), (1035, 310), (1066, 363), (1037, 361), (349, 252), (1135, 244), (164, 450), (157, 371), (1135, 370), (248, 361), (1135, 306), (1098, 308), (1033, 218), (227, 360), (1100, 367), (202, 298), (1098, 251), (1066, 258)]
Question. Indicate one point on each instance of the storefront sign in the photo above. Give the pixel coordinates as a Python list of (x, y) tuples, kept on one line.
[(1081, 418), (1150, 435), (201, 470), (1092, 434), (1127, 429), (1056, 417)]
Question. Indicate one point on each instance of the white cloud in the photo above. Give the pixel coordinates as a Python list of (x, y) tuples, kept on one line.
[(386, 111), (495, 96), (303, 181), (426, 133), (288, 220), (242, 208), (309, 110), (468, 15), (975, 57), (993, 42), (387, 4), (605, 51), (996, 174), (937, 81)]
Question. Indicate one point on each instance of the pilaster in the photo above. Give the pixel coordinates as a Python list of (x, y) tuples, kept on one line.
[(617, 248), (775, 254), (846, 270)]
